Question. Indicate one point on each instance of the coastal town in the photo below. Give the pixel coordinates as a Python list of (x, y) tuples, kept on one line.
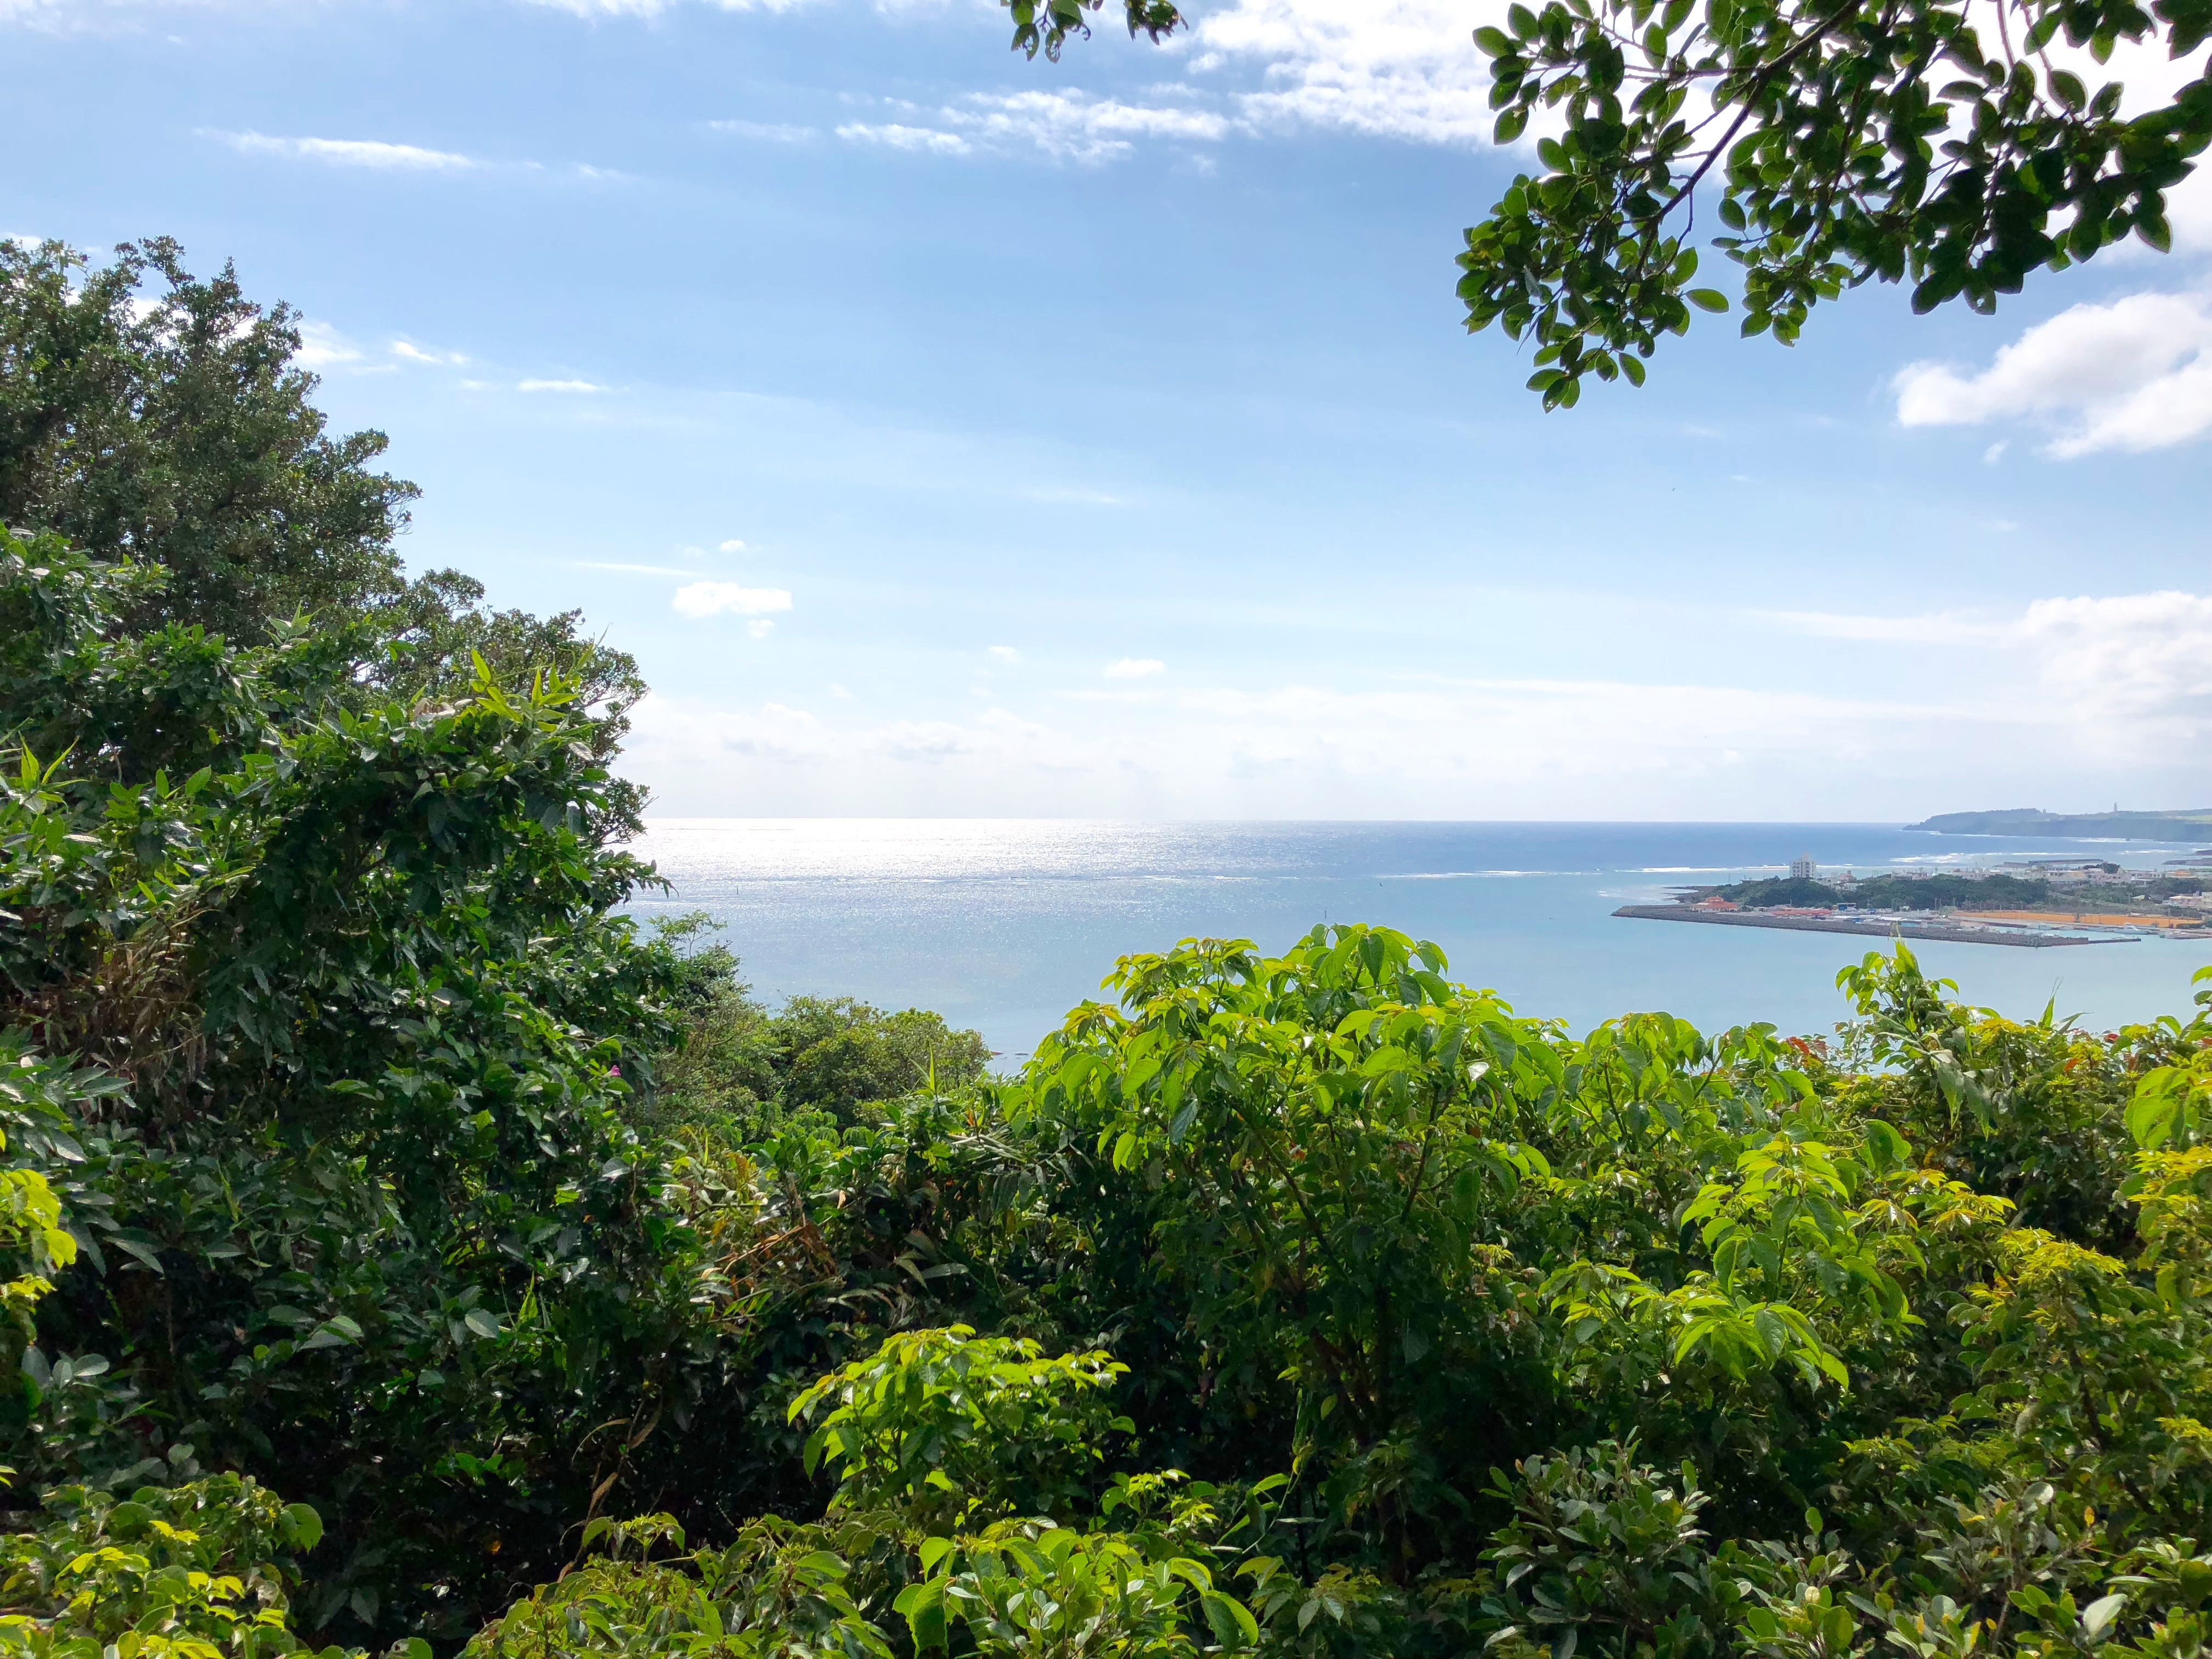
[(2031, 902)]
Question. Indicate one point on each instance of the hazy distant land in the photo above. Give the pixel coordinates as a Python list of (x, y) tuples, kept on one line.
[(2184, 824)]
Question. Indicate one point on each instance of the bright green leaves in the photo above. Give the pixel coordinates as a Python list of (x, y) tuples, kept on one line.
[(1031, 1590), (1338, 1128), (193, 1571), (778, 1592), (961, 1427), (1829, 156)]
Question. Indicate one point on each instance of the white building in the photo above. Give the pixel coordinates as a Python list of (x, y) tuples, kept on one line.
[(1803, 870)]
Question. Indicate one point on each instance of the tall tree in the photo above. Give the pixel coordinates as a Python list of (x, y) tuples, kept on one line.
[(175, 429)]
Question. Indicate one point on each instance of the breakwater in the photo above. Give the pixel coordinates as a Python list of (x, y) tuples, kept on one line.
[(1910, 930)]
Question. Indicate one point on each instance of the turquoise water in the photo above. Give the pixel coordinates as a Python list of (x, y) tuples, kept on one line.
[(1005, 924)]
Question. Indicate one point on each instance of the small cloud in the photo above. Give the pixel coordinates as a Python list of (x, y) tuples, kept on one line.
[(837, 690), (351, 153), (894, 136), (1993, 453), (1005, 654), (715, 599), (733, 546), (321, 345), (1135, 668), (767, 132), (476, 385), (415, 354), (630, 569), (1077, 127), (558, 386), (759, 630)]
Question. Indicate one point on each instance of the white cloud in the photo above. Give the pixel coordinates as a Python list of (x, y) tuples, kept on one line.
[(415, 354), (1947, 628), (1442, 747), (1005, 653), (718, 599), (894, 136), (2141, 657), (558, 386), (2134, 670), (1075, 126), (352, 152), (630, 570), (2112, 691), (759, 630), (771, 132), (733, 546), (2135, 374), (1135, 668), (322, 346), (1396, 69)]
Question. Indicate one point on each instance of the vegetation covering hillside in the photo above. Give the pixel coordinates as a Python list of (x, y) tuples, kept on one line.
[(406, 1251)]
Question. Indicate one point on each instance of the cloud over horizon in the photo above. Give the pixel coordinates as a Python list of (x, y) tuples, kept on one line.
[(351, 153), (2135, 375)]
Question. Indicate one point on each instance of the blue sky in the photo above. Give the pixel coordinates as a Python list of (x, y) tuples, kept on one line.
[(950, 433)]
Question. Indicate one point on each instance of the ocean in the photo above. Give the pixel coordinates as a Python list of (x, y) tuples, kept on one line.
[(1005, 924)]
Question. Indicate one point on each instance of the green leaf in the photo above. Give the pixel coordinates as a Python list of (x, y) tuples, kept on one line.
[(1707, 299), (300, 1526)]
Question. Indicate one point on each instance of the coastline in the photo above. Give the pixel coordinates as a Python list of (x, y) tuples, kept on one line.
[(1846, 925)]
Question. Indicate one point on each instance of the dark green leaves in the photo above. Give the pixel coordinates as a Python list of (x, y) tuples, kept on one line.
[(1826, 157)]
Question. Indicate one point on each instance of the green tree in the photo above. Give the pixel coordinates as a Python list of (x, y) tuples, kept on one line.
[(1837, 144), (152, 416), (173, 429)]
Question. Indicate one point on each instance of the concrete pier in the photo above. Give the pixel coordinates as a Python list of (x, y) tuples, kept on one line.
[(1870, 929)]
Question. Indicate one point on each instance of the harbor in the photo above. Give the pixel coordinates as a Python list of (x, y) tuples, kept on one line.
[(2033, 939), (2033, 903)]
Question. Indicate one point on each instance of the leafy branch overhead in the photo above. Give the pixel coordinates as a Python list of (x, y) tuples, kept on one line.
[(1047, 25), (1945, 142), (1876, 138)]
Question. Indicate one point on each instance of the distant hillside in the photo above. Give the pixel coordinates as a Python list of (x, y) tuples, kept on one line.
[(2185, 824)]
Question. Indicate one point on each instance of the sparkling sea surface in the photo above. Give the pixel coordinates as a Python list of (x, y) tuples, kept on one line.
[(1006, 923)]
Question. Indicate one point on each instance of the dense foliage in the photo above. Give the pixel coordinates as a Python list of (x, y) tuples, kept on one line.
[(401, 1249), (822, 1061)]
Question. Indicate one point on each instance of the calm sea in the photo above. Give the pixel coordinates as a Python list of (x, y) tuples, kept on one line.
[(1005, 924)]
